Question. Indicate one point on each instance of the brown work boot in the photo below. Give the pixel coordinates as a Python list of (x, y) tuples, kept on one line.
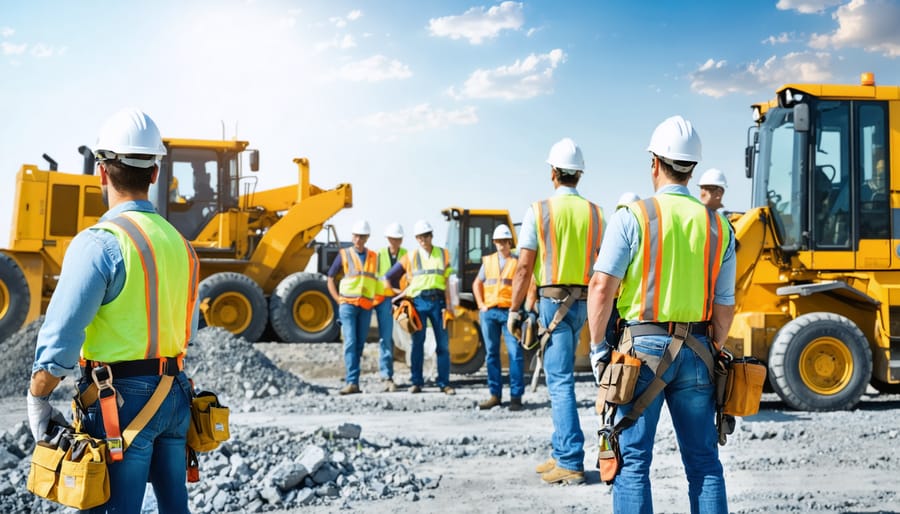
[(389, 386), (449, 391), (545, 466), (490, 403), (559, 475), (414, 389), (515, 404), (349, 389)]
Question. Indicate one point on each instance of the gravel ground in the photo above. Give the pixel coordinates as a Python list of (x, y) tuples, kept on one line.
[(297, 445)]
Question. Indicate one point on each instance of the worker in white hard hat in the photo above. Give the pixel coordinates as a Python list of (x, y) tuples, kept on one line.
[(385, 291), (428, 269), (356, 267), (124, 311), (558, 239), (673, 260), (712, 188), (492, 289)]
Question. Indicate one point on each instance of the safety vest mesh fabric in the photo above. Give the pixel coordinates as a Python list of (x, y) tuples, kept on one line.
[(673, 276), (428, 273), (497, 282), (383, 288), (152, 315), (569, 231), (358, 284)]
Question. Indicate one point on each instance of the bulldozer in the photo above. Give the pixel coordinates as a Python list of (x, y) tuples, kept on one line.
[(253, 245)]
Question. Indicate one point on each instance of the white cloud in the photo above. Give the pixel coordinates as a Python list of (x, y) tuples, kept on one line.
[(354, 15), (806, 6), (871, 25), (13, 49), (476, 24), (41, 50), (419, 118), (7, 31), (343, 43), (780, 39), (341, 21), (524, 78), (287, 22), (717, 78), (374, 69)]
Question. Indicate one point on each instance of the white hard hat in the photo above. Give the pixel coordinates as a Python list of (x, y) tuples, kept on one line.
[(502, 232), (627, 198), (394, 230), (422, 227), (676, 140), (714, 177), (361, 228), (127, 133), (566, 156)]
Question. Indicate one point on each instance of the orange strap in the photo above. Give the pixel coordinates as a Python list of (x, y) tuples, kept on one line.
[(110, 410)]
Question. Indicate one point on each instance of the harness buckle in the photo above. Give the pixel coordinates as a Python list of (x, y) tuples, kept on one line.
[(103, 378)]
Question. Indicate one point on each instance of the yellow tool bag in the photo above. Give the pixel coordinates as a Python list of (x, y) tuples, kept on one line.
[(407, 317), (70, 469), (619, 379), (743, 387), (209, 422)]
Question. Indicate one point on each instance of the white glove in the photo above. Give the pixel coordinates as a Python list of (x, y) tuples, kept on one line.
[(513, 322), (600, 355), (40, 412)]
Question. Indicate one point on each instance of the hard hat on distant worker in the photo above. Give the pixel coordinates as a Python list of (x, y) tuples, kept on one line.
[(422, 227), (566, 156), (627, 198), (394, 230), (677, 143), (361, 228), (713, 177), (130, 137), (502, 232)]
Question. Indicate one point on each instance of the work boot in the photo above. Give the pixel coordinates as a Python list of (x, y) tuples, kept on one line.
[(515, 404), (490, 403), (389, 386), (449, 391), (559, 475), (349, 389), (414, 389), (545, 466)]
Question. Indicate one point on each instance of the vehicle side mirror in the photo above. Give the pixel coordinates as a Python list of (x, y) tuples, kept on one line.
[(801, 118), (254, 160), (748, 160)]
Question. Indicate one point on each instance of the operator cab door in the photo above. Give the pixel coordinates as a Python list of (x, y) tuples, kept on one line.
[(849, 211)]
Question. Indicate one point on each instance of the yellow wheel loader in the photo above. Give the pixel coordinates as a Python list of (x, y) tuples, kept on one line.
[(818, 262), (253, 245)]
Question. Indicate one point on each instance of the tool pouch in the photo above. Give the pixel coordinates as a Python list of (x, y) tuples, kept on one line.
[(209, 422), (71, 470), (609, 458), (619, 379), (743, 387), (407, 317)]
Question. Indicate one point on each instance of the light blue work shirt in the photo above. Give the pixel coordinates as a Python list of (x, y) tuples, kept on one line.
[(622, 241), (481, 275), (93, 274), (528, 232)]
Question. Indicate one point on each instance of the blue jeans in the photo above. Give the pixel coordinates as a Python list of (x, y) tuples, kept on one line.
[(157, 454), (431, 308), (354, 327), (689, 396), (559, 368), (385, 315), (493, 323)]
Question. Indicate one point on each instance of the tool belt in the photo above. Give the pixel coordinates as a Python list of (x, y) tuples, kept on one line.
[(171, 366), (209, 422), (69, 467), (739, 385)]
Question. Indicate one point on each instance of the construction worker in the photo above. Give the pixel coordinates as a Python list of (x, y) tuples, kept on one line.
[(627, 198), (385, 290), (427, 269), (127, 301), (357, 266), (686, 289), (492, 289), (558, 241), (712, 188)]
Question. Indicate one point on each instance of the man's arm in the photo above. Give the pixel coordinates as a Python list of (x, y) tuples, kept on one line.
[(336, 267), (722, 316), (522, 278), (478, 293), (601, 292)]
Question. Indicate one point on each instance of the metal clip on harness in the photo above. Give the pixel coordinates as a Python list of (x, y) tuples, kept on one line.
[(109, 407)]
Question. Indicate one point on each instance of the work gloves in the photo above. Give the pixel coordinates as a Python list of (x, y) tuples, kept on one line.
[(513, 322), (40, 413), (600, 357)]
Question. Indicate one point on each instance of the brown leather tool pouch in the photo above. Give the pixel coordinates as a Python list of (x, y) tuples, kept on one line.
[(619, 379)]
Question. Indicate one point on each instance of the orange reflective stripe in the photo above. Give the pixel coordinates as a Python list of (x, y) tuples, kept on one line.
[(151, 279), (192, 291), (713, 253), (595, 235)]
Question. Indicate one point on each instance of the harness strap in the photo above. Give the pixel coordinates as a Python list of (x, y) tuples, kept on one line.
[(568, 295)]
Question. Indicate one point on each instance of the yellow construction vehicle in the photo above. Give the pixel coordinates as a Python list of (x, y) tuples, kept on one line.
[(253, 245), (818, 264)]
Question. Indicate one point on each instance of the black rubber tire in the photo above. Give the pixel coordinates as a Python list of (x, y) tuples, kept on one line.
[(304, 296), (475, 363), (884, 387), (15, 298), (234, 294), (827, 336)]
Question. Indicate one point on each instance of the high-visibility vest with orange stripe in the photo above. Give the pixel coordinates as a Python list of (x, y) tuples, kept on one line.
[(152, 316), (497, 282), (673, 276), (358, 285), (569, 231), (429, 272), (383, 288)]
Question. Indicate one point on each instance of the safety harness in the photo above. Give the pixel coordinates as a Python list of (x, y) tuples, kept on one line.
[(566, 296)]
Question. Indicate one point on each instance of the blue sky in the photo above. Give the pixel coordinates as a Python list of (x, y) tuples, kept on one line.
[(425, 105)]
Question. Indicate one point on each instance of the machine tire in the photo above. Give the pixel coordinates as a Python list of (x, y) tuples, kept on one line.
[(820, 361), (15, 298), (474, 363), (301, 309), (884, 387), (234, 302)]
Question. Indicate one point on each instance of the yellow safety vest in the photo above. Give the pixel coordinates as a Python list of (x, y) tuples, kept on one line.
[(569, 231), (383, 288), (673, 276), (428, 273), (153, 314), (358, 285), (497, 282)]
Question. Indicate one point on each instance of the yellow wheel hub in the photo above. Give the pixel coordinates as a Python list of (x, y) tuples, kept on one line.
[(313, 311), (231, 311), (5, 300), (826, 366), (465, 336)]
